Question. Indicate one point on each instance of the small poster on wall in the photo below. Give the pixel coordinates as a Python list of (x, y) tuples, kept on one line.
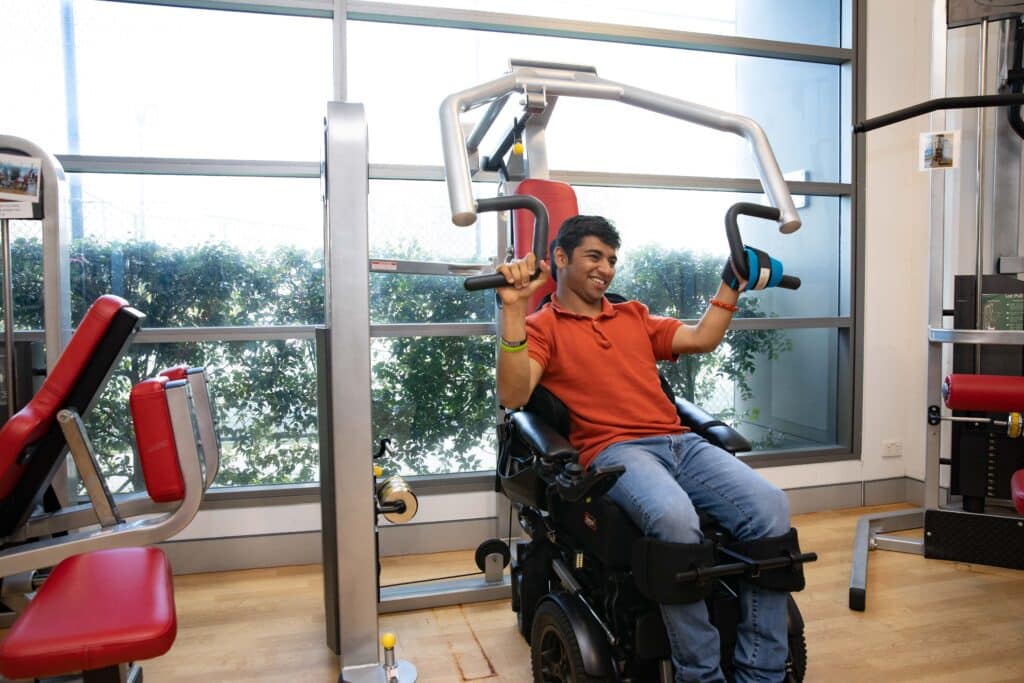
[(19, 178), (19, 185), (939, 151)]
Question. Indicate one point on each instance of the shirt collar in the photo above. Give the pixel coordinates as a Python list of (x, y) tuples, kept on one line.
[(607, 309)]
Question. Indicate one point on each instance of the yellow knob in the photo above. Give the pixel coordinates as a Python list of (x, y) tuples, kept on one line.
[(388, 641), (377, 470), (517, 148)]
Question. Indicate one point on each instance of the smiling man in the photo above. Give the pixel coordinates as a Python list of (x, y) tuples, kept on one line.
[(599, 359)]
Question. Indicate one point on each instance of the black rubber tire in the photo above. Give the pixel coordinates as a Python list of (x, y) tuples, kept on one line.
[(554, 652), (796, 663), (492, 545)]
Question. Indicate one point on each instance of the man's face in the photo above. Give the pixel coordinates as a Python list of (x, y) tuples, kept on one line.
[(590, 270)]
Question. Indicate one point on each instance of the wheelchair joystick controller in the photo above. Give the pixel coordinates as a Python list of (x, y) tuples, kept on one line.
[(573, 485)]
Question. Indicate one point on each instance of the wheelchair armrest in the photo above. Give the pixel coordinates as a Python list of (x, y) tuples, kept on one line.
[(542, 437), (715, 431)]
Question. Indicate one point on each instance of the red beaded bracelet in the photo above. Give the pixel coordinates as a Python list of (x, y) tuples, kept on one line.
[(732, 308)]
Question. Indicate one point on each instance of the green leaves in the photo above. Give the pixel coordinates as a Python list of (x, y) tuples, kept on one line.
[(434, 396)]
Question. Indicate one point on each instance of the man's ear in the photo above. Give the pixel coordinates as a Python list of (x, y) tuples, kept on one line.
[(561, 258)]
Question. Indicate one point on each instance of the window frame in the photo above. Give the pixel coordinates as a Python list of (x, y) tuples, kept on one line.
[(849, 57)]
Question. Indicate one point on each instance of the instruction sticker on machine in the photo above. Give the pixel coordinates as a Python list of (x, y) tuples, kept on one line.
[(19, 178), (938, 151)]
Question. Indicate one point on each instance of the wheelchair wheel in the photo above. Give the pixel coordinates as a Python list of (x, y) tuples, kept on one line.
[(796, 663), (554, 651)]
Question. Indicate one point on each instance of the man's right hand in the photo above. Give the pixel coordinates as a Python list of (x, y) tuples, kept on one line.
[(520, 287)]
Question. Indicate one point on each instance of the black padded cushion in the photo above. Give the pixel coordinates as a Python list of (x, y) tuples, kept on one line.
[(550, 408)]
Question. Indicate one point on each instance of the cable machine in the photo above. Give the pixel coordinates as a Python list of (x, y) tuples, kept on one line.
[(984, 396)]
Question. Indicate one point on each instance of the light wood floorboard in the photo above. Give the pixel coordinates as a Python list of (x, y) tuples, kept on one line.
[(926, 620)]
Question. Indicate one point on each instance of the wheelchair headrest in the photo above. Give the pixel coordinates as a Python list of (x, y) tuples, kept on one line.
[(560, 201)]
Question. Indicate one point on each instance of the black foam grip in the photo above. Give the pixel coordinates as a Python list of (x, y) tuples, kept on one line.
[(490, 281), (789, 282)]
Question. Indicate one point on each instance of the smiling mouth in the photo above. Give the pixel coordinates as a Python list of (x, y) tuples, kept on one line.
[(598, 281)]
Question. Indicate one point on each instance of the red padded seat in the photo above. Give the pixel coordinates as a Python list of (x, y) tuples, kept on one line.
[(31, 422), (560, 201), (96, 610), (1017, 490)]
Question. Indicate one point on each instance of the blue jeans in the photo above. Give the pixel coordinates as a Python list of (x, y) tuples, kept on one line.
[(666, 478)]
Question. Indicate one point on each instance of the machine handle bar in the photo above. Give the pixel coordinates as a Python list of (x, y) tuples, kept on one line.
[(928, 106), (737, 248), (734, 568), (540, 235)]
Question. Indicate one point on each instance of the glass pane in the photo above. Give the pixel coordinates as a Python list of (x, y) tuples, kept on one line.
[(776, 387), (411, 220), (192, 251), (426, 299), (796, 103), (674, 248), (797, 21), (434, 396), (26, 274), (264, 396), (141, 80)]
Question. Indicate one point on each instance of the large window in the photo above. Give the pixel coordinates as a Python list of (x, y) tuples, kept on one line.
[(192, 140)]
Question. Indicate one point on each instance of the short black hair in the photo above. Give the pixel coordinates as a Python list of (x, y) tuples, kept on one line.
[(573, 231)]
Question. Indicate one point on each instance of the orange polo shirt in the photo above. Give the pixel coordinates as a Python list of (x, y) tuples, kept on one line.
[(604, 370)]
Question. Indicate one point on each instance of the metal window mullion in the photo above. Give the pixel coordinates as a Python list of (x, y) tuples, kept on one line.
[(322, 9), (76, 163), (787, 323), (590, 30), (525, 24), (433, 330), (165, 335)]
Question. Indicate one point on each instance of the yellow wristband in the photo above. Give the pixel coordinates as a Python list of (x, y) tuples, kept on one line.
[(512, 348)]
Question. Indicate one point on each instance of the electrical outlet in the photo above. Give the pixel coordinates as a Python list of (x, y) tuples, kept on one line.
[(892, 449)]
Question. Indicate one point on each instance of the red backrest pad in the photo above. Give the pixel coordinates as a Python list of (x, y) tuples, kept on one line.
[(31, 422), (154, 435), (95, 610), (560, 200)]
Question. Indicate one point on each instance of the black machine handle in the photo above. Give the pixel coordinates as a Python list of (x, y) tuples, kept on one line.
[(540, 235), (737, 250), (968, 102)]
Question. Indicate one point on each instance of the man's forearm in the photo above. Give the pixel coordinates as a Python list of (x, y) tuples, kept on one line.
[(513, 367), (711, 328)]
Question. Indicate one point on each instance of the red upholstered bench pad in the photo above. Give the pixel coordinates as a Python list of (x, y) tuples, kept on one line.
[(96, 610), (31, 422)]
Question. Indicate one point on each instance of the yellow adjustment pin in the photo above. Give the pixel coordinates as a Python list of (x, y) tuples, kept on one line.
[(1013, 425), (517, 148), (387, 641), (377, 470)]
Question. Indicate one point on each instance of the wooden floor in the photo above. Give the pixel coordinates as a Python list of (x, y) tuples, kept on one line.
[(926, 620)]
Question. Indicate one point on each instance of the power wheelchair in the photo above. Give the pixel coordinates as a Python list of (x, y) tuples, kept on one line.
[(587, 583)]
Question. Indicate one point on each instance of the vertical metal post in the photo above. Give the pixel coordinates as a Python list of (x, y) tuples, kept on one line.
[(348, 315), (9, 383), (339, 25), (980, 198)]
